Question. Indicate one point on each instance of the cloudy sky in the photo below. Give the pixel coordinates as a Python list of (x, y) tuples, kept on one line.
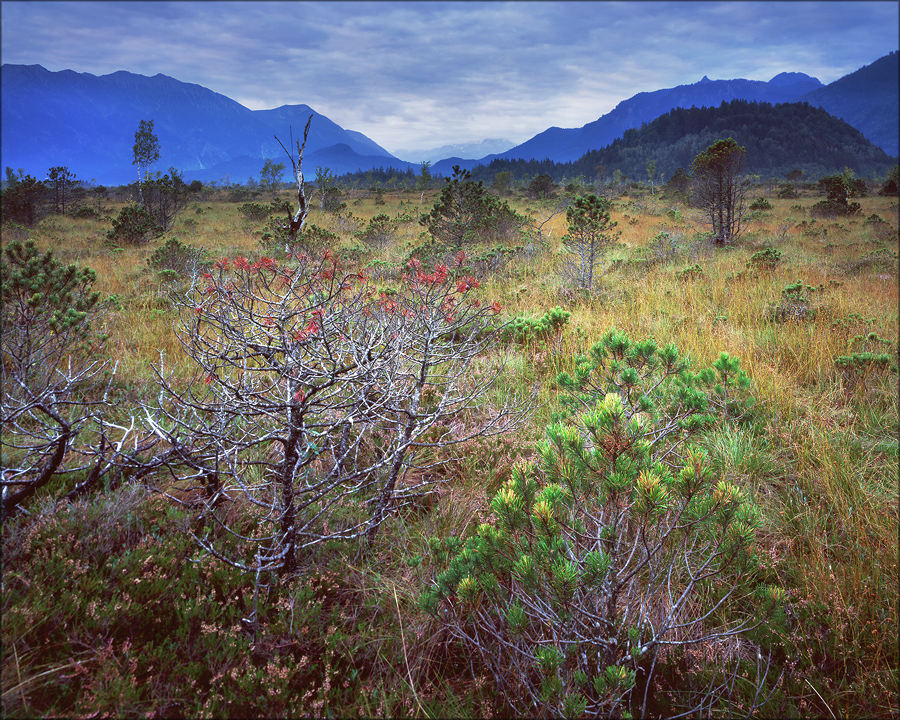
[(419, 75)]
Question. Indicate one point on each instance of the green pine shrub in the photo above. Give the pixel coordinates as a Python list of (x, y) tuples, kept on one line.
[(870, 359), (379, 232), (600, 566), (766, 259), (176, 256), (788, 192), (134, 225), (529, 330), (794, 306), (682, 401), (255, 212), (85, 212), (693, 272)]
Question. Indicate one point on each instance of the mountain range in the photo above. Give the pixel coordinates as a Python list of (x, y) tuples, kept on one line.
[(466, 150), (868, 99), (564, 145), (778, 139), (87, 123)]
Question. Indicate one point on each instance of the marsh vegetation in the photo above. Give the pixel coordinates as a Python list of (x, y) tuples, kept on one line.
[(736, 401)]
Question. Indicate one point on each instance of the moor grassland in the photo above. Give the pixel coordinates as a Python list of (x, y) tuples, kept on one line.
[(107, 611)]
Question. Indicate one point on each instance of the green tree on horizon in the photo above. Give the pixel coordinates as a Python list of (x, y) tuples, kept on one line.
[(146, 151)]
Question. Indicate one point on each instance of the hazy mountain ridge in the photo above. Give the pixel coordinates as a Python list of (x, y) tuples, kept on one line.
[(463, 150), (868, 98), (87, 122)]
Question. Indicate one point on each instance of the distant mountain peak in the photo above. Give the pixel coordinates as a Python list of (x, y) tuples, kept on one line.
[(705, 79), (478, 149), (789, 78)]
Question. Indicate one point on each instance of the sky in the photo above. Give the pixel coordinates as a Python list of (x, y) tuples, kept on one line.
[(418, 75)]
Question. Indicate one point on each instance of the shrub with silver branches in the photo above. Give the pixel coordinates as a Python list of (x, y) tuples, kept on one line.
[(316, 394), (54, 403)]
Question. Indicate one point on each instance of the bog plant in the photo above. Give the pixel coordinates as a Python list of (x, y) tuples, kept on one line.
[(603, 564), (529, 330), (175, 256), (694, 272), (659, 385), (311, 239), (466, 213), (591, 232), (255, 212), (839, 189), (134, 225), (794, 305), (870, 358), (379, 232), (666, 246), (766, 259)]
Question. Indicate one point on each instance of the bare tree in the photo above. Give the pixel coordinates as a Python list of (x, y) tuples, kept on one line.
[(316, 396), (298, 219)]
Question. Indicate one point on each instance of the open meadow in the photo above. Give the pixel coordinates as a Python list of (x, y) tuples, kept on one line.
[(110, 608)]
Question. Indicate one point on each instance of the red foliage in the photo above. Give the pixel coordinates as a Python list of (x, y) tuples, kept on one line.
[(265, 263)]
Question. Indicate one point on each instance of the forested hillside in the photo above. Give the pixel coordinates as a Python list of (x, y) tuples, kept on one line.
[(778, 138), (867, 99)]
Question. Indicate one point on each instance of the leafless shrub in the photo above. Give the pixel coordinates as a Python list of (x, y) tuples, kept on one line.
[(316, 395)]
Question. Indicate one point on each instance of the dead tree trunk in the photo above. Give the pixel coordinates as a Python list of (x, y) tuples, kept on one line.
[(298, 220)]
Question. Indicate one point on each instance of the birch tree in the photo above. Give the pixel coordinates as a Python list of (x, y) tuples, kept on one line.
[(146, 151)]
